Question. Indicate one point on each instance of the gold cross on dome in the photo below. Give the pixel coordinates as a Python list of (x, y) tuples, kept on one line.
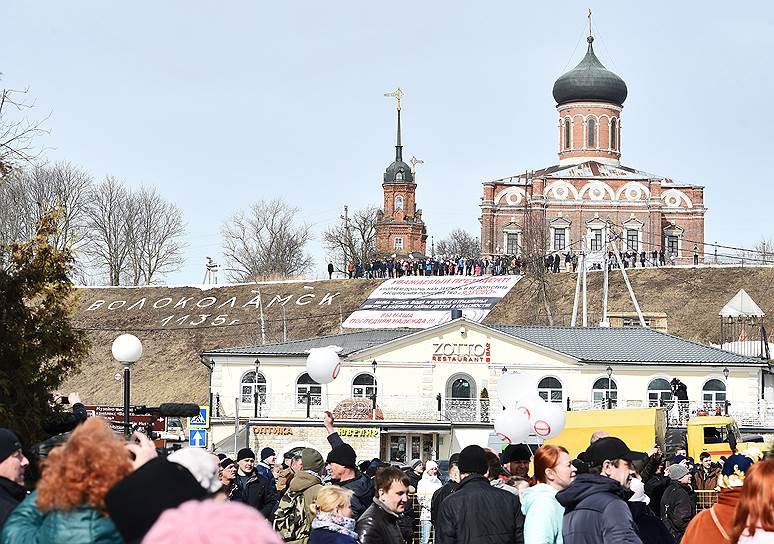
[(397, 94)]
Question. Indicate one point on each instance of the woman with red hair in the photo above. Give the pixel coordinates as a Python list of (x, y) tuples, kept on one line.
[(553, 471), (754, 518), (68, 505)]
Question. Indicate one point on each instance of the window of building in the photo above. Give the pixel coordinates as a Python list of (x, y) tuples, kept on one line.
[(250, 385), (398, 202), (399, 175), (672, 243), (306, 385), (634, 322), (567, 134), (603, 389), (460, 389), (512, 243), (550, 389), (398, 242), (591, 132), (659, 392), (632, 240), (364, 386), (613, 134), (560, 239), (596, 239), (713, 393)]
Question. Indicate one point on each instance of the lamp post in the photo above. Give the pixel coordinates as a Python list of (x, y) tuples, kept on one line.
[(209, 363), (127, 349), (255, 388), (726, 372), (609, 371), (373, 397)]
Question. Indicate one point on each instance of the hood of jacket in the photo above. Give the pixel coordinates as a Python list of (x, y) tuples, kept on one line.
[(303, 480), (536, 494), (586, 485)]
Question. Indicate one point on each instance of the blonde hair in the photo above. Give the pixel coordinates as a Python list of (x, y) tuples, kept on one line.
[(330, 498)]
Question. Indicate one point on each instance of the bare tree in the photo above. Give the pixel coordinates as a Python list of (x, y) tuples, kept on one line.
[(155, 245), (459, 243), (110, 221), (356, 240), (17, 131), (764, 251), (266, 241)]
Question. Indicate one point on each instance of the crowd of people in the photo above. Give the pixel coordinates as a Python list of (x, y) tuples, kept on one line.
[(95, 487)]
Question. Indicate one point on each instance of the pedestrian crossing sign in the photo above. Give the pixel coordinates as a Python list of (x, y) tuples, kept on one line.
[(201, 421)]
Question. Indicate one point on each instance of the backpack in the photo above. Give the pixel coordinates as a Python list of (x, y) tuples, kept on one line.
[(290, 519)]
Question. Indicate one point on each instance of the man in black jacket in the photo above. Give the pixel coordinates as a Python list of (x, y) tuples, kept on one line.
[(678, 504), (342, 463), (12, 465), (379, 523), (446, 489), (477, 512), (255, 490)]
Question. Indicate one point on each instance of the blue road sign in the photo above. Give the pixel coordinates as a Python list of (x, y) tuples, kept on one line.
[(202, 421), (197, 438)]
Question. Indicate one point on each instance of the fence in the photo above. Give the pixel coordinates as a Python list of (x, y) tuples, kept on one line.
[(705, 499)]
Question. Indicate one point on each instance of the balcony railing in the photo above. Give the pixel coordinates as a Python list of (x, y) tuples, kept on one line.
[(466, 410)]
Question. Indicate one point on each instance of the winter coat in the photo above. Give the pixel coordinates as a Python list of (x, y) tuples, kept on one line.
[(650, 528), (706, 481), (11, 494), (477, 512), (310, 485), (330, 528), (378, 525), (678, 506), (260, 494), (596, 512), (83, 525), (440, 494), (361, 486), (703, 530), (324, 536), (543, 515), (425, 491)]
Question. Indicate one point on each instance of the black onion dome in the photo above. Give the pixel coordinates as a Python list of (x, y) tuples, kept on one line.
[(590, 80), (391, 174)]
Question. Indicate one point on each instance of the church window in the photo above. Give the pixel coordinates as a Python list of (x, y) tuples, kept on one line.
[(614, 134), (632, 240), (591, 132), (398, 202), (567, 134), (512, 243), (399, 175), (672, 246), (596, 239), (398, 242), (560, 239)]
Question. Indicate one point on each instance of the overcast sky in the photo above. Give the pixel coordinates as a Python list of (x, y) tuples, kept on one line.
[(221, 104)]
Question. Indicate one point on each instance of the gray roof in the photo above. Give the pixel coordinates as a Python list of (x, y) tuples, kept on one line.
[(624, 345), (590, 80), (587, 344)]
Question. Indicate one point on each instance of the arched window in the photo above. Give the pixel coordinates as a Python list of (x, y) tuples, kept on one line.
[(550, 389), (659, 392), (399, 175), (567, 134), (461, 386), (603, 389), (713, 393), (613, 134), (364, 386), (398, 202), (250, 385), (591, 132), (306, 385)]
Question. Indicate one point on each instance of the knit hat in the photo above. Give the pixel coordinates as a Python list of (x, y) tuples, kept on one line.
[(343, 455), (245, 453), (430, 465), (473, 460), (312, 460), (226, 462), (196, 522), (136, 502), (516, 452), (202, 464), (415, 463), (677, 459), (266, 453), (454, 459), (677, 471), (9, 444)]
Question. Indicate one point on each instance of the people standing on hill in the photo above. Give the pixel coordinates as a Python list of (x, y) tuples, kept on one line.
[(554, 471), (678, 504)]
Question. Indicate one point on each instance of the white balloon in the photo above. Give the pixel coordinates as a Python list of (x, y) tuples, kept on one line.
[(323, 364), (530, 404), (512, 426), (548, 420), (511, 387)]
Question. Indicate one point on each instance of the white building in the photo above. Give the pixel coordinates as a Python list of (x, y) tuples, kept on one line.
[(436, 389)]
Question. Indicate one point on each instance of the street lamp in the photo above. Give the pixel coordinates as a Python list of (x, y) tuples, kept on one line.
[(726, 372), (373, 397), (609, 371), (127, 349), (209, 363), (255, 388)]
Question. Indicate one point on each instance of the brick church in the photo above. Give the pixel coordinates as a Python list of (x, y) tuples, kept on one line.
[(590, 195), (400, 230)]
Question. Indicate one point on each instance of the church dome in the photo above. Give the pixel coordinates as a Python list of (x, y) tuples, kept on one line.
[(590, 80), (398, 172)]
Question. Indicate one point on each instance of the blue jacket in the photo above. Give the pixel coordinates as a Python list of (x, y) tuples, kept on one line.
[(543, 515), (596, 512), (83, 525), (324, 536)]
